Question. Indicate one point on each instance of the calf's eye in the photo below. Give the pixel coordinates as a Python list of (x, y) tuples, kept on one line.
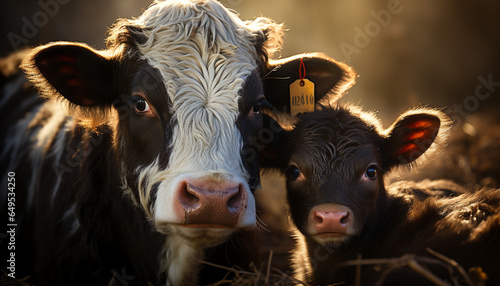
[(293, 172), (371, 173)]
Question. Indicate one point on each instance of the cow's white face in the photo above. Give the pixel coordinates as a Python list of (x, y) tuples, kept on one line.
[(180, 89), (204, 55)]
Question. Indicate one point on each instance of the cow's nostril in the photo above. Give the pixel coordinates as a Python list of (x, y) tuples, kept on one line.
[(189, 196), (344, 219), (235, 198), (318, 218)]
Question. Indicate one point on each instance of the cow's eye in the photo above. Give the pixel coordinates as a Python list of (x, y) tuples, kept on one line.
[(293, 172), (256, 108), (371, 172), (142, 106)]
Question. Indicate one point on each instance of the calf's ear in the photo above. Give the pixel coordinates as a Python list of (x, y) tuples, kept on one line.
[(72, 72), (331, 78), (412, 135)]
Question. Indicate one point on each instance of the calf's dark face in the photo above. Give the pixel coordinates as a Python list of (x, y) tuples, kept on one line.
[(334, 176)]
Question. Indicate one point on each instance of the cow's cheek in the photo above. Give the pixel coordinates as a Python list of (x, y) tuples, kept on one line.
[(250, 135), (146, 140)]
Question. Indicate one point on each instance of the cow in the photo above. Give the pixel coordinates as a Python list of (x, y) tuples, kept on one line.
[(335, 162), (138, 161)]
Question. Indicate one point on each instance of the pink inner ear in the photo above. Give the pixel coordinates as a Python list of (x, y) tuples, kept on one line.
[(419, 124), (410, 147), (415, 135)]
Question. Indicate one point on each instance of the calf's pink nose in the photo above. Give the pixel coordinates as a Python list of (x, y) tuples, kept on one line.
[(331, 222)]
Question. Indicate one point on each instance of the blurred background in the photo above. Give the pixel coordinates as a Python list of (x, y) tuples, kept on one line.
[(407, 53), (443, 54)]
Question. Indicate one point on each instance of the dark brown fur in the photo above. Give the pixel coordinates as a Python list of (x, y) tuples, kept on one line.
[(332, 147)]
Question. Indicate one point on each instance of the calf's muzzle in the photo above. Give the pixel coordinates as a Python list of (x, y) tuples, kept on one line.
[(330, 219)]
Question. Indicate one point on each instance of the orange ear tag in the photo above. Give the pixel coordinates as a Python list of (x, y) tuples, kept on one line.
[(301, 93), (301, 96)]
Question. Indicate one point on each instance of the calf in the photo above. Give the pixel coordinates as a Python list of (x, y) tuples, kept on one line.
[(335, 167), (142, 159)]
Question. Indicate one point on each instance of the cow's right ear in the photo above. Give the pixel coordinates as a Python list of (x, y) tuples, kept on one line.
[(331, 78), (72, 71)]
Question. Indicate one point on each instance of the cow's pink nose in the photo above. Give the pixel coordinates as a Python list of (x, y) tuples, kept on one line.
[(207, 204), (331, 222)]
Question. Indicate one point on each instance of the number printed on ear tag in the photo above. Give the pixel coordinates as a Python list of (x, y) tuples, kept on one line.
[(301, 96)]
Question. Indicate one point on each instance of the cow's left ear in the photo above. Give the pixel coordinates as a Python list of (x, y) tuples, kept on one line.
[(331, 78), (412, 135), (73, 71)]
